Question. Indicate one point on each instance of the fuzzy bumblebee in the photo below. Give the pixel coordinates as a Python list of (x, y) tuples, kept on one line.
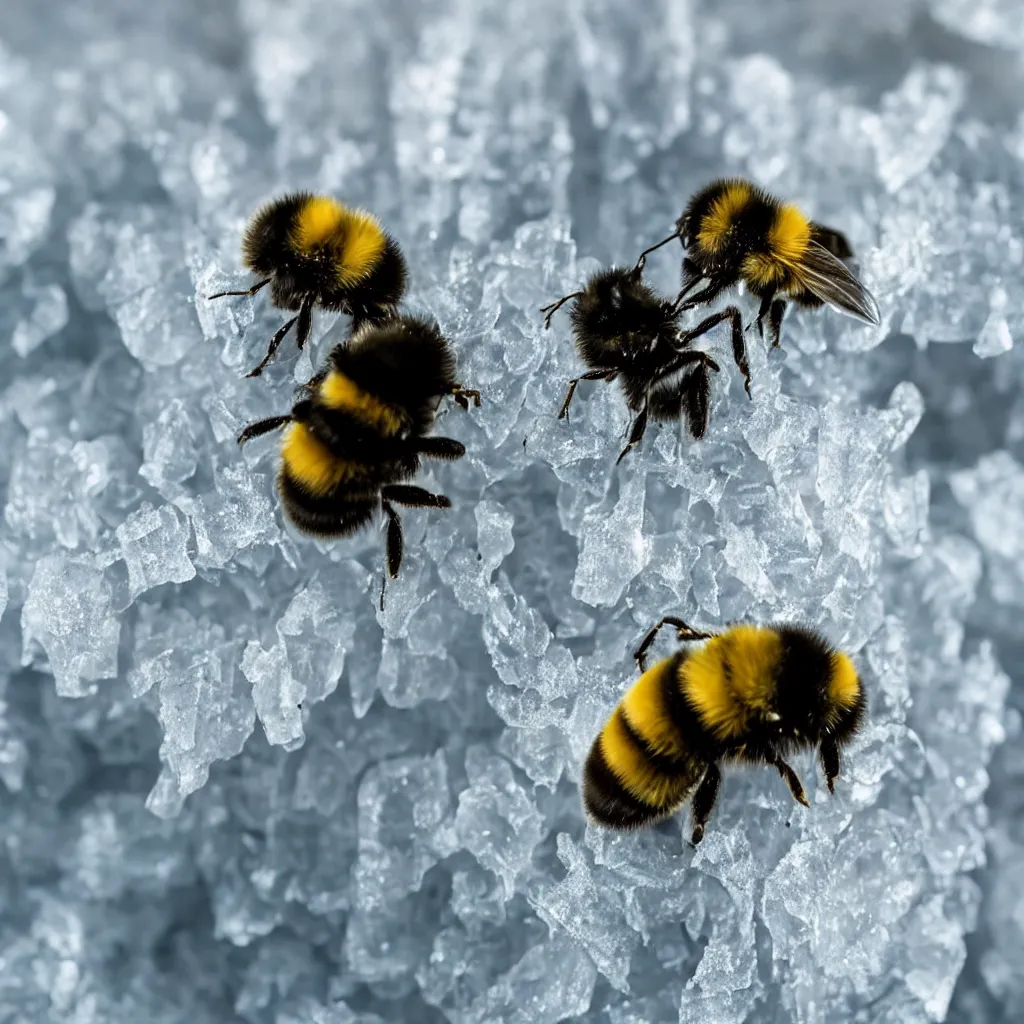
[(358, 432), (624, 331), (314, 251), (751, 694), (733, 231)]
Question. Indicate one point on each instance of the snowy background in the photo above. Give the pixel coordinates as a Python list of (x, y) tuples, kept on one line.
[(230, 790)]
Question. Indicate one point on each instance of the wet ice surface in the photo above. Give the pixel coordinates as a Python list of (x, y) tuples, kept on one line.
[(232, 789)]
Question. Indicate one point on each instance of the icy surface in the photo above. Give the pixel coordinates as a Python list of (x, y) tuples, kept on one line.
[(232, 789)]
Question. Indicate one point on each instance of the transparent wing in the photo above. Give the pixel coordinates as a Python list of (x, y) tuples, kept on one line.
[(828, 278)]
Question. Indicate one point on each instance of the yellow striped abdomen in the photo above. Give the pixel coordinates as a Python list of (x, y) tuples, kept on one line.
[(716, 224), (632, 767), (354, 238), (341, 393), (311, 465), (731, 676)]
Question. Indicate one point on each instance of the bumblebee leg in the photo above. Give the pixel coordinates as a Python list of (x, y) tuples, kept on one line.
[(796, 787), (684, 632), (762, 312), (829, 754), (261, 427), (555, 306), (249, 291), (394, 544), (305, 322), (463, 396), (697, 397), (608, 375), (704, 801), (707, 294), (272, 348), (635, 435), (643, 256), (413, 497), (739, 348), (691, 277), (440, 447), (778, 311)]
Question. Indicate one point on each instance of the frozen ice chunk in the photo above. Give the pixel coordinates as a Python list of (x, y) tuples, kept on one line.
[(276, 694), (906, 513), (169, 447), (154, 545), (589, 912), (622, 56), (404, 830), (204, 705), (308, 1011), (725, 984), (614, 548), (542, 753), (57, 489), (235, 516), (304, 666), (995, 337), (493, 534), (25, 184), (992, 492), (402, 805), (992, 22), (120, 848), (496, 820), (46, 313), (406, 678), (915, 122), (131, 261), (68, 613), (552, 982)]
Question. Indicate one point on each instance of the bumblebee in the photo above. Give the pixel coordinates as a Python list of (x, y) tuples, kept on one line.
[(623, 330), (358, 430), (733, 231), (751, 694), (314, 251)]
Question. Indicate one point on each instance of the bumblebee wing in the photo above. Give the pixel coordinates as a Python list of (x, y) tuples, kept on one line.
[(828, 278)]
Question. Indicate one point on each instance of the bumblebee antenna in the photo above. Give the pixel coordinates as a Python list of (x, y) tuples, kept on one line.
[(643, 256)]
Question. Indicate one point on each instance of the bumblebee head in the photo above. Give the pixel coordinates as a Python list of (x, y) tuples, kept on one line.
[(788, 726), (826, 700), (686, 229)]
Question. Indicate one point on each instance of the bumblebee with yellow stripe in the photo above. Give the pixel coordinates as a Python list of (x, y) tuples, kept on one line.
[(733, 231), (314, 251), (751, 694), (358, 431)]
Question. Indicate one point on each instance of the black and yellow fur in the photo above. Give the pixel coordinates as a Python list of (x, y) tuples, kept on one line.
[(733, 231), (624, 331), (751, 694), (358, 431), (314, 251)]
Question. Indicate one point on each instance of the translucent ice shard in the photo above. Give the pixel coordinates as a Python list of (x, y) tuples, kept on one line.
[(69, 615), (614, 547), (496, 820), (915, 122), (45, 314), (154, 545), (205, 709), (991, 492), (590, 913)]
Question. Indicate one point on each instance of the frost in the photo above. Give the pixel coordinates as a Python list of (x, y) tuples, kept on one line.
[(271, 801)]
